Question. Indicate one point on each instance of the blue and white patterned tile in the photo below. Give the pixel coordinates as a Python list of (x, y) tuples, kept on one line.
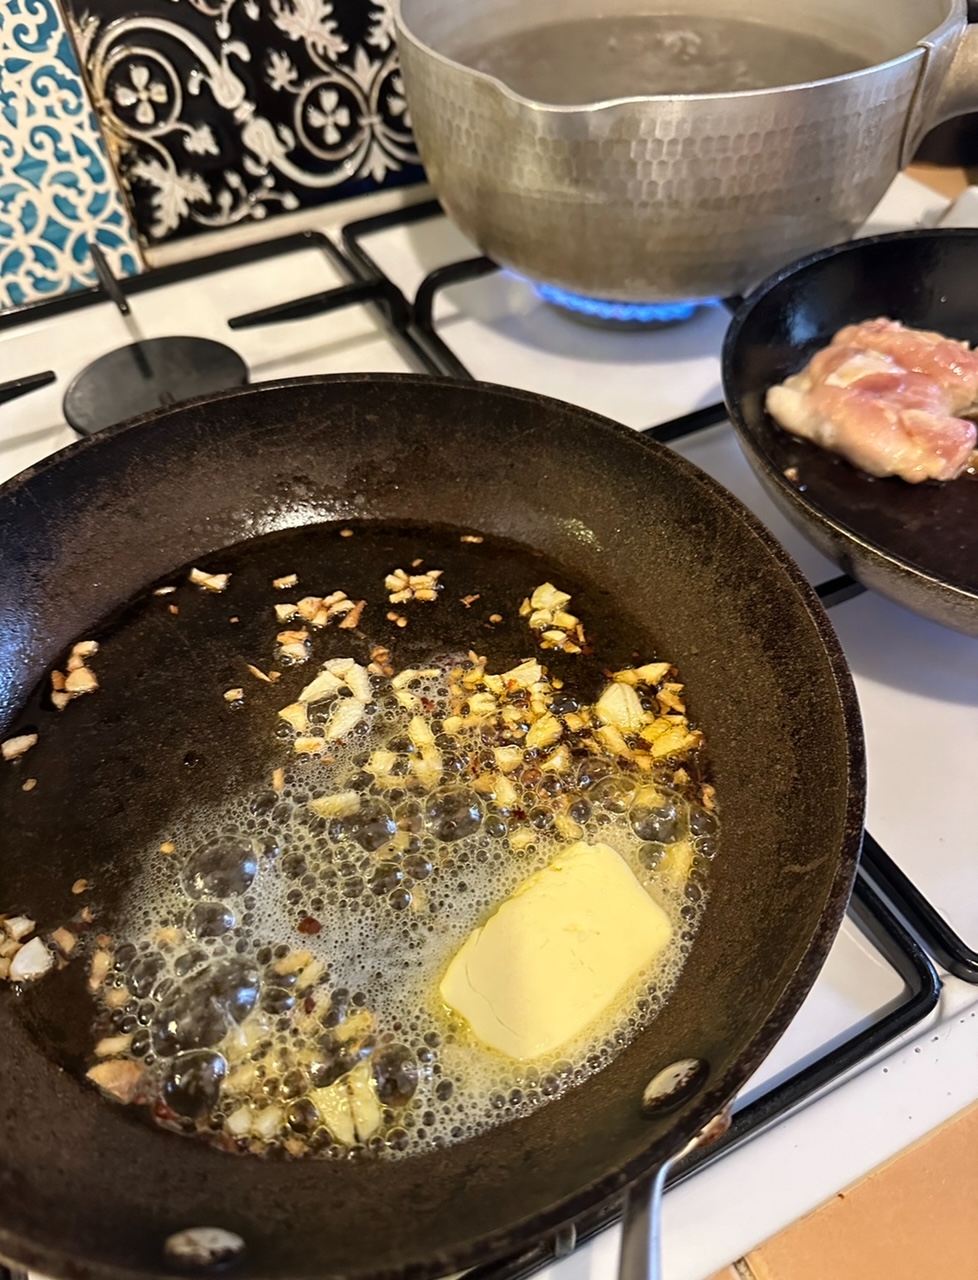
[(57, 187)]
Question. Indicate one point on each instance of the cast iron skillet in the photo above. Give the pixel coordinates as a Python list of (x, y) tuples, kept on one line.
[(917, 544), (86, 1189)]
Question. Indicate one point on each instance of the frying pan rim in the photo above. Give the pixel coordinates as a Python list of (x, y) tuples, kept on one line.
[(806, 506), (52, 1262)]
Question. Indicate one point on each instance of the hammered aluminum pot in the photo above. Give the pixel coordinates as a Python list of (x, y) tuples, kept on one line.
[(685, 196)]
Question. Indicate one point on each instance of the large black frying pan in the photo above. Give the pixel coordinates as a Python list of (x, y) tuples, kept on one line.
[(89, 1190), (917, 544)]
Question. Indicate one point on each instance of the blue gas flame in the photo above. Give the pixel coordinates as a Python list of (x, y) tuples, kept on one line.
[(621, 312)]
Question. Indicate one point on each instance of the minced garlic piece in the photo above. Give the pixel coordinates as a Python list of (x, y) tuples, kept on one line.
[(404, 586), (209, 581), (15, 747)]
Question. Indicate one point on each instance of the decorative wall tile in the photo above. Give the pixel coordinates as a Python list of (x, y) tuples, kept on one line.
[(224, 110), (57, 187)]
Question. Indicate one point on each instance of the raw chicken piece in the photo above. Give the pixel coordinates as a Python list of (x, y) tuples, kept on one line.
[(885, 397), (952, 364)]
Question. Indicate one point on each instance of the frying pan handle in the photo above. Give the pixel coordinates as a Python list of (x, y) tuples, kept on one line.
[(641, 1219), (641, 1228)]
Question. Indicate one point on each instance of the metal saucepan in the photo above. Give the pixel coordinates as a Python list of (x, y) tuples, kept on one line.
[(916, 544), (688, 195), (661, 552)]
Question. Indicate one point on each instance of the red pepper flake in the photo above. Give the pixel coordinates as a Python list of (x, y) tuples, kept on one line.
[(164, 1114), (309, 925)]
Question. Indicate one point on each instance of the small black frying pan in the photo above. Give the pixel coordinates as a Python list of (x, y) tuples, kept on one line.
[(91, 1192), (916, 544)]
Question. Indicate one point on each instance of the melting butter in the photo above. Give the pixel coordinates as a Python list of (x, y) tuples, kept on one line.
[(556, 953)]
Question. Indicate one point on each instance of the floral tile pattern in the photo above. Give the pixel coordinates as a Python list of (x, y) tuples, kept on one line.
[(225, 110), (57, 188)]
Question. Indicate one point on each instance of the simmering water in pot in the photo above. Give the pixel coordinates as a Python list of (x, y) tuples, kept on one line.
[(592, 59)]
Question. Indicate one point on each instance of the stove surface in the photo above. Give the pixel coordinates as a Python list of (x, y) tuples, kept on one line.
[(875, 1054)]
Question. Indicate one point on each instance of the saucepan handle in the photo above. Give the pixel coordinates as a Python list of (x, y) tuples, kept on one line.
[(948, 82), (958, 92)]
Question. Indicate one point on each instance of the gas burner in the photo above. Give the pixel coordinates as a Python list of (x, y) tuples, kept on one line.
[(150, 374), (618, 315)]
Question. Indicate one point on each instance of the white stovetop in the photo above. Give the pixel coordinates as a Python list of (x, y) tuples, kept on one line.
[(918, 684)]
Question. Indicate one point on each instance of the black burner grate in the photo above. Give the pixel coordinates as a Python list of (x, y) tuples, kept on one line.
[(18, 387), (85, 415), (413, 328)]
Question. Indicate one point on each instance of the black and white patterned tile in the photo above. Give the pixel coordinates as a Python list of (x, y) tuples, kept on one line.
[(219, 111)]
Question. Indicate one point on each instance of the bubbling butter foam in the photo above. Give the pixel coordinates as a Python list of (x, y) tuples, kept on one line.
[(278, 973)]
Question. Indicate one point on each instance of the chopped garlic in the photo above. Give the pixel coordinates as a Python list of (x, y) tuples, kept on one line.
[(358, 682), (335, 1111), (15, 747), (101, 964), (295, 714), (112, 1046), (81, 680), (507, 758), (619, 705), (267, 1122), (32, 961), (352, 618), (209, 581), (419, 732), (293, 962), (483, 704), (19, 927), (427, 767), (120, 1077), (341, 805), (65, 940), (381, 762), (310, 975), (526, 674), (651, 673), (547, 596), (366, 1109), (544, 732), (346, 715), (238, 1123), (325, 685), (339, 666), (610, 737)]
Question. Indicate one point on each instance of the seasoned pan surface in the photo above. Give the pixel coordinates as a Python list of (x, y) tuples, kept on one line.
[(917, 544), (85, 1187)]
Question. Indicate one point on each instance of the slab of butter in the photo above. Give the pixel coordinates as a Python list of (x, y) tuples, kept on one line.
[(556, 953)]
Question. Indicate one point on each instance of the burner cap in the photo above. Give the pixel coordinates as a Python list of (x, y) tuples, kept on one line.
[(149, 375)]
